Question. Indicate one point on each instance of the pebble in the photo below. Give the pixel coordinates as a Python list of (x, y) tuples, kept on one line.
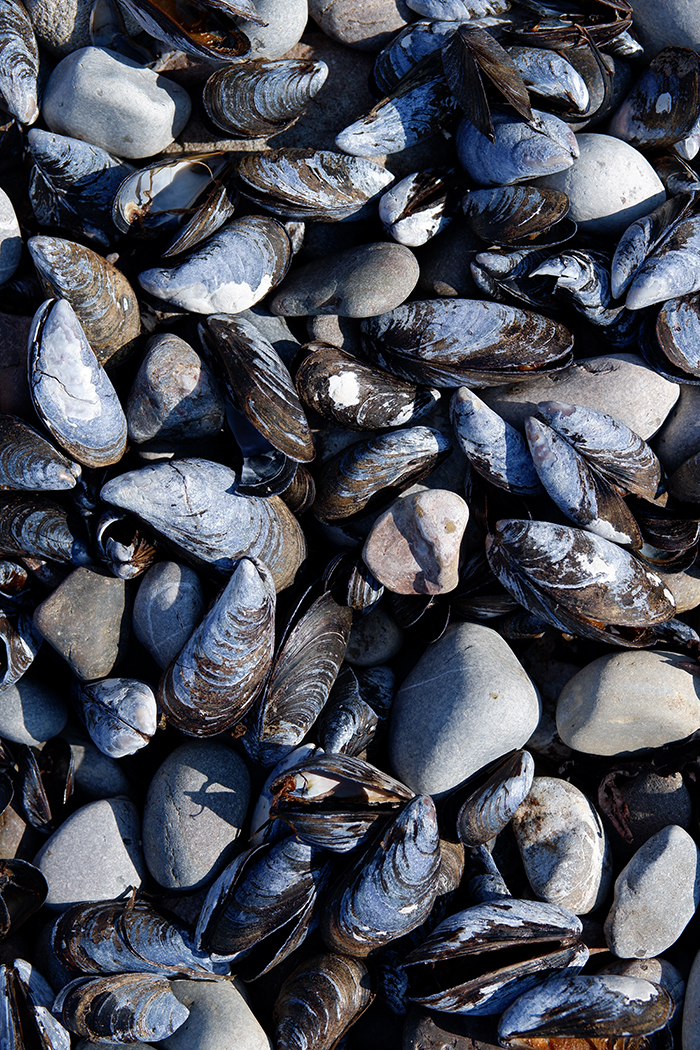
[(684, 586), (17, 838), (362, 282), (63, 26), (445, 262), (563, 846), (95, 855), (375, 637), (285, 20), (691, 1009), (466, 702), (672, 22), (86, 620), (220, 1019), (31, 712), (174, 394), (621, 385), (96, 775), (652, 803), (413, 547), (679, 437), (111, 101), (343, 332), (656, 895), (368, 25), (168, 606), (194, 810), (10, 239), (610, 185), (627, 701)]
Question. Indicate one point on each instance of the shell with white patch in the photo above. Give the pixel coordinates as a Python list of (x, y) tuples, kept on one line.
[(662, 106)]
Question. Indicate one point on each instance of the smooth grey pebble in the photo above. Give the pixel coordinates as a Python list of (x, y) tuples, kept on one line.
[(169, 605), (31, 712)]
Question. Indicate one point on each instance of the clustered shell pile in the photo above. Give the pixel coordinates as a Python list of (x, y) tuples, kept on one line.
[(176, 423)]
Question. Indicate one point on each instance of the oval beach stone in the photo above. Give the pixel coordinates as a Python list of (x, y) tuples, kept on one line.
[(466, 702), (220, 1019)]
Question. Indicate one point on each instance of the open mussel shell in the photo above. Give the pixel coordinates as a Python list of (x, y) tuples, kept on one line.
[(672, 270), (29, 461), (391, 889), (219, 672), (19, 62), (259, 383), (494, 448), (448, 343), (481, 959), (19, 644), (549, 75), (347, 723), (678, 333), (421, 205), (194, 504), (641, 238), (25, 1018), (319, 1001), (310, 184), (354, 395), (217, 208), (121, 1008), (191, 28), (154, 199), (490, 808), (23, 890), (119, 713), (575, 580), (514, 214), (585, 1007), (262, 900), (662, 106), (102, 298), (35, 526), (123, 546), (232, 271), (303, 674), (373, 472), (46, 779), (262, 97), (70, 389)]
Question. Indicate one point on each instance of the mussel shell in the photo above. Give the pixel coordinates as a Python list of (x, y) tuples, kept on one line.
[(354, 395), (216, 209), (36, 526), (310, 184), (586, 1006), (71, 392), (233, 270), (29, 461), (119, 714), (663, 104), (489, 809), (672, 270), (678, 333), (519, 152), (101, 296), (494, 448), (25, 1020), (216, 677), (420, 206), (641, 238), (121, 1008), (190, 28), (347, 723), (513, 214), (262, 97), (548, 74), (409, 46), (374, 472), (391, 890), (319, 1001), (260, 384), (193, 503), (448, 343), (19, 644), (19, 62), (23, 890)]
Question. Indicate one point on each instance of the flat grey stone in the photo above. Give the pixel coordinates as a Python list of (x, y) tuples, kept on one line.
[(361, 282), (445, 262), (368, 25), (466, 702), (220, 1019), (610, 185), (684, 586), (194, 810), (563, 846), (31, 712), (110, 101), (95, 855), (652, 802), (672, 22), (621, 385), (168, 606), (10, 239), (86, 620), (96, 775), (656, 895), (375, 638), (628, 701)]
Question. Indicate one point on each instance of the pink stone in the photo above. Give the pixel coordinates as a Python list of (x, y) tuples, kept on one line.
[(413, 547)]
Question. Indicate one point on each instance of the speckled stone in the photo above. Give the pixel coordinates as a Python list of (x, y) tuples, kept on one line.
[(94, 855), (194, 810), (368, 25), (466, 702), (621, 385), (563, 846), (63, 26), (361, 282), (10, 239), (375, 637), (684, 586), (86, 619), (610, 185), (168, 606), (220, 1019), (652, 803), (628, 701), (286, 20), (656, 895), (413, 547), (31, 711), (111, 101)]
